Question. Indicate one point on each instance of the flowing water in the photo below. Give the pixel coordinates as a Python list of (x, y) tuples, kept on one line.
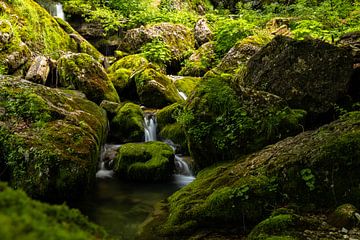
[(121, 206), (54, 8), (59, 11)]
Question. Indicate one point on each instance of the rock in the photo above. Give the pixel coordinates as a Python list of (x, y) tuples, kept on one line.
[(110, 108), (202, 32), (166, 115), (39, 70), (122, 72), (352, 40), (6, 33), (17, 57), (310, 74), (149, 162), (237, 55), (296, 170), (155, 89), (187, 85), (127, 125), (344, 216), (24, 218), (279, 26), (223, 122), (201, 61), (178, 38), (82, 72), (50, 139)]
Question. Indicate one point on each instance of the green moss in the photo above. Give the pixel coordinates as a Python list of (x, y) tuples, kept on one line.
[(167, 115), (127, 125), (150, 161), (176, 133), (84, 73), (280, 225), (24, 218), (155, 89), (187, 84)]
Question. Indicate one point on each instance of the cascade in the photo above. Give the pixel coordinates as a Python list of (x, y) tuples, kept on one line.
[(59, 11), (108, 152), (182, 95), (150, 127)]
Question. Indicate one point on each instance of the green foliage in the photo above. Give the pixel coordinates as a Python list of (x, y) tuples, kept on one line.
[(156, 51), (308, 177), (310, 29), (228, 32), (110, 20)]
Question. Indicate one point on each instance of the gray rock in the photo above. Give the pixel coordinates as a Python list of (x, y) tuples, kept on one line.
[(39, 70), (202, 32)]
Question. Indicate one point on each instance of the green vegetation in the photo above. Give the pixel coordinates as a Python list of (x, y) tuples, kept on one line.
[(150, 161), (24, 218)]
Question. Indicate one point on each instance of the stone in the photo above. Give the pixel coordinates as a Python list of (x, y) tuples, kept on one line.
[(202, 32), (39, 70), (310, 74)]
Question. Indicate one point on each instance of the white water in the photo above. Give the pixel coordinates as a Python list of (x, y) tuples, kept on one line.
[(108, 152), (182, 95), (59, 11), (150, 128)]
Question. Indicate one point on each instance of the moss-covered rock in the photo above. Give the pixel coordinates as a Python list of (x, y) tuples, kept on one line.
[(187, 84), (177, 37), (110, 108), (166, 115), (310, 74), (306, 171), (223, 122), (201, 61), (150, 161), (155, 89), (122, 72), (202, 32), (128, 124), (50, 139), (344, 216), (82, 72), (24, 218)]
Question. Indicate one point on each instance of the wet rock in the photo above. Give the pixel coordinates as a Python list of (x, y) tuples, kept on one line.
[(149, 162), (82, 72), (202, 32), (39, 70), (127, 125), (310, 74)]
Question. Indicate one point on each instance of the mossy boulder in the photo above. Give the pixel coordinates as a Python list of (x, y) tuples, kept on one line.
[(128, 124), (202, 32), (223, 122), (82, 72), (177, 37), (24, 218), (110, 108), (50, 139), (201, 61), (310, 74), (167, 114), (149, 162), (295, 171), (122, 72), (155, 89)]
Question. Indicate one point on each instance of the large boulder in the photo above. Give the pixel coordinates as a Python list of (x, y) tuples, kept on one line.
[(128, 124), (223, 122), (122, 72), (50, 139), (310, 74), (155, 89), (149, 162), (177, 37), (24, 218), (82, 72), (313, 170)]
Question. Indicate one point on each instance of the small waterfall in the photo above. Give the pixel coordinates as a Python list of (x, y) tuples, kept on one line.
[(150, 127), (59, 11), (108, 153), (182, 95), (181, 166)]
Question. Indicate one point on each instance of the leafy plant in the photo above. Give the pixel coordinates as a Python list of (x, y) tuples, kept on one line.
[(156, 51), (308, 177)]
